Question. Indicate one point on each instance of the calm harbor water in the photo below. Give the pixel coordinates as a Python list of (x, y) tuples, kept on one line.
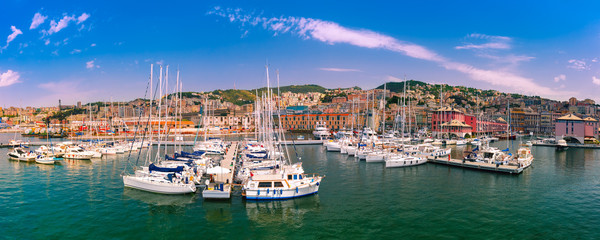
[(557, 198)]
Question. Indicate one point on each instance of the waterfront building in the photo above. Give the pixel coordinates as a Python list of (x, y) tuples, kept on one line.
[(570, 127), (524, 120), (450, 121), (333, 121), (591, 129)]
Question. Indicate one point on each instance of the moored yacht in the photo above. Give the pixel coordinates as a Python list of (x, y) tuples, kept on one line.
[(321, 131)]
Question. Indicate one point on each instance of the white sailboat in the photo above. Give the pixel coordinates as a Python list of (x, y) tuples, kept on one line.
[(163, 180), (287, 181)]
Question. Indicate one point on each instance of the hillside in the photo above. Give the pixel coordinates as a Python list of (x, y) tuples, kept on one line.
[(295, 89), (237, 97), (399, 86)]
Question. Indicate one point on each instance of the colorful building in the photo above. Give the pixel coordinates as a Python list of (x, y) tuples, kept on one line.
[(570, 127), (333, 121)]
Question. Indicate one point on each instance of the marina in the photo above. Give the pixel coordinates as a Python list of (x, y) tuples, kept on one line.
[(502, 201), (299, 120)]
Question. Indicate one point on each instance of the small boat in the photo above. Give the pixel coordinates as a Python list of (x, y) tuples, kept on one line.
[(524, 157), (41, 159), (562, 145), (22, 155)]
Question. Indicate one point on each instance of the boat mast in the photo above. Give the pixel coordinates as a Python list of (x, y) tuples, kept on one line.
[(383, 108)]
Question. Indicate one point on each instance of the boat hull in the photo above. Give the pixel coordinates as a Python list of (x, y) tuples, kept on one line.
[(280, 193), (144, 184), (404, 162)]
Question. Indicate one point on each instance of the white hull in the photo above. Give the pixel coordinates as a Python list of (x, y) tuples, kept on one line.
[(281, 193), (404, 162), (77, 156), (344, 150), (333, 147), (151, 185), (351, 151), (375, 158), (216, 194), (48, 161)]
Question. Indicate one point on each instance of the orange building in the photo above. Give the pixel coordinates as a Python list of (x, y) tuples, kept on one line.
[(333, 121)]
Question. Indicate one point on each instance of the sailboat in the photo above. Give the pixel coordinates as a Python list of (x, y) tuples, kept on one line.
[(287, 180), (167, 179)]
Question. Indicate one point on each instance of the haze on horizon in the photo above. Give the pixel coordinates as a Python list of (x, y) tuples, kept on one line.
[(94, 51)]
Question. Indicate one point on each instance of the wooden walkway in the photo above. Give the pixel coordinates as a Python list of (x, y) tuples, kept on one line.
[(477, 165)]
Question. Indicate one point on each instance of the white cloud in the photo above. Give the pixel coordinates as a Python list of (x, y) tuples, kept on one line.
[(560, 77), (595, 80), (578, 64), (92, 45), (61, 24), (332, 33), (486, 42), (160, 62), (12, 36), (47, 42), (82, 18), (75, 51), (8, 78), (340, 69), (37, 20), (89, 64)]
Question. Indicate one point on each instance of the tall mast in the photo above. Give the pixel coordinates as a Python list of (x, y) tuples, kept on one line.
[(383, 108)]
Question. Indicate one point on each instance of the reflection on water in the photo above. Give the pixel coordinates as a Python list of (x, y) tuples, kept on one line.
[(290, 212), (159, 199), (218, 211)]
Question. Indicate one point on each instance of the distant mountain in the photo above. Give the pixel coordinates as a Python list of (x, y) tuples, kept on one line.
[(399, 86)]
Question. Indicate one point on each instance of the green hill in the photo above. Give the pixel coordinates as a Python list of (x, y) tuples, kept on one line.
[(237, 97), (295, 89), (399, 86)]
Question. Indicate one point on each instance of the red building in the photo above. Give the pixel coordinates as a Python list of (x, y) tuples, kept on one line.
[(449, 120)]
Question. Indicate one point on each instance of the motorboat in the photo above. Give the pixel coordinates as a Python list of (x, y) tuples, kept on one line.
[(21, 154), (524, 157), (321, 131), (562, 145), (287, 182), (75, 152)]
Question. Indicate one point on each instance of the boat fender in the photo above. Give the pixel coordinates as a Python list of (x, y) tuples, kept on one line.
[(267, 191), (281, 191), (317, 183), (296, 189), (257, 192)]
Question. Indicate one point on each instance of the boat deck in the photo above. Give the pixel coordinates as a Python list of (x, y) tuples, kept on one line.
[(478, 165), (229, 162)]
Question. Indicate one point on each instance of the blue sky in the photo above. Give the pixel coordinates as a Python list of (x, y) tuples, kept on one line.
[(102, 50)]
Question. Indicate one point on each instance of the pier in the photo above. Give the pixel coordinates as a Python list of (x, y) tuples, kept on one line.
[(570, 145), (477, 165), (220, 187)]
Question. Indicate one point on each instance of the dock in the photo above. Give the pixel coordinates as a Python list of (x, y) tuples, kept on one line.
[(302, 142), (570, 145), (220, 187), (477, 165)]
